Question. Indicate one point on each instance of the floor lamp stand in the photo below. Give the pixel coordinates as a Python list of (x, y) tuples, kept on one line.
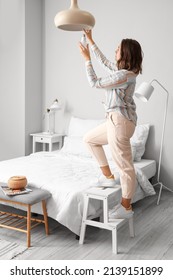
[(161, 147), (160, 191)]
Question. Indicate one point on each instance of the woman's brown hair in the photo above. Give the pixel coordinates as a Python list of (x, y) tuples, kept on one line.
[(131, 56)]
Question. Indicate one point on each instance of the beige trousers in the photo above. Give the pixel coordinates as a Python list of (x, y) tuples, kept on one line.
[(116, 131)]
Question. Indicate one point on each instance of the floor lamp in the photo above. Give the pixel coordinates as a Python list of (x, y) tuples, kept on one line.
[(143, 93)]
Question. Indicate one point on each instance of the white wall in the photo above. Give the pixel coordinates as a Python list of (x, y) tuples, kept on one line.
[(149, 22), (12, 78), (20, 75), (34, 26)]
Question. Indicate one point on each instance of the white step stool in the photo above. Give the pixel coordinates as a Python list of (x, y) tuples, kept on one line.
[(103, 194)]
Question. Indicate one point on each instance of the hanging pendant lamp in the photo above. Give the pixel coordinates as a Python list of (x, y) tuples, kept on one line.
[(74, 19)]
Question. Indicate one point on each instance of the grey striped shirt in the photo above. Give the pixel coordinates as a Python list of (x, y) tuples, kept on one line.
[(119, 86)]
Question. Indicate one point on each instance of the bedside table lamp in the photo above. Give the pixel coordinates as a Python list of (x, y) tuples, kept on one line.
[(51, 116), (144, 93)]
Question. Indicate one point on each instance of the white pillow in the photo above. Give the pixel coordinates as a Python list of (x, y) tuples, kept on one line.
[(75, 146), (139, 140), (78, 127)]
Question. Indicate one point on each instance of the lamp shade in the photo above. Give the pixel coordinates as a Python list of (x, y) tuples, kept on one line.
[(144, 91), (55, 106), (74, 19)]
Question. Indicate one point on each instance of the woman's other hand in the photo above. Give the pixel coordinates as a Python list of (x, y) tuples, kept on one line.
[(85, 51)]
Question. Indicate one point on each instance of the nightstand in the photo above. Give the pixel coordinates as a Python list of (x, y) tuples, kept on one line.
[(46, 138)]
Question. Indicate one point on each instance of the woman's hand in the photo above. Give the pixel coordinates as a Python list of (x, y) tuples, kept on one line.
[(88, 34), (85, 51)]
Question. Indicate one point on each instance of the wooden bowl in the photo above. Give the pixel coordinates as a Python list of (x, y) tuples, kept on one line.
[(17, 182)]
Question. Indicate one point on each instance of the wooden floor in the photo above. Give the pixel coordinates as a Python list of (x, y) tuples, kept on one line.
[(153, 239)]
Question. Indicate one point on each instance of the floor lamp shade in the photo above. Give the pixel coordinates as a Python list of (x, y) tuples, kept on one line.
[(144, 91), (74, 19)]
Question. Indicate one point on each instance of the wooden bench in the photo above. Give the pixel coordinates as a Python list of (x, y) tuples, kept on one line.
[(24, 223)]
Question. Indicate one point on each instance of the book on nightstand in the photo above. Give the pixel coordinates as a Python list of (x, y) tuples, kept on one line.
[(7, 191)]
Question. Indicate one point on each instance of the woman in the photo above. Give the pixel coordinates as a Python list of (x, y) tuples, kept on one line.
[(121, 117)]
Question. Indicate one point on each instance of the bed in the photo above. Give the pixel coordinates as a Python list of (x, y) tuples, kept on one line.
[(67, 173)]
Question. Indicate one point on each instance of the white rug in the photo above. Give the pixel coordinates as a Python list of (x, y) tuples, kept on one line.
[(9, 250)]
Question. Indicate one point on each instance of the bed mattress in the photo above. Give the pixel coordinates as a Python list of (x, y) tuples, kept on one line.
[(148, 166)]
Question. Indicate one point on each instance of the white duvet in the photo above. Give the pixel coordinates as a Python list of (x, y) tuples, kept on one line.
[(66, 176)]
